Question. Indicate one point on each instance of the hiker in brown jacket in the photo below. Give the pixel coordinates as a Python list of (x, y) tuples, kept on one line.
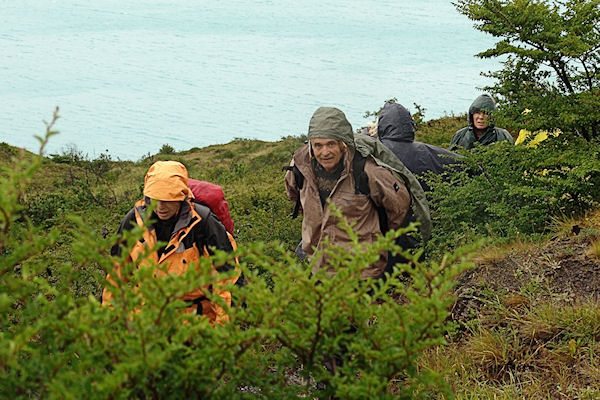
[(326, 164)]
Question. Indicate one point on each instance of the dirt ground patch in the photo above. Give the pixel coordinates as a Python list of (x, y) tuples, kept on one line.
[(562, 269)]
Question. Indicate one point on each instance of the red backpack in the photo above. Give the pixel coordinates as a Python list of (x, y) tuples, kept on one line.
[(212, 196)]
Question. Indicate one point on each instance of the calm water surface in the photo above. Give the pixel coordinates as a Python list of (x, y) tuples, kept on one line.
[(131, 76)]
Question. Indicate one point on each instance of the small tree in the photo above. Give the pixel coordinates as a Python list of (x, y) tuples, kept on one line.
[(166, 149), (552, 65)]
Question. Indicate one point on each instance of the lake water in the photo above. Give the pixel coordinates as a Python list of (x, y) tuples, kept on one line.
[(130, 76)]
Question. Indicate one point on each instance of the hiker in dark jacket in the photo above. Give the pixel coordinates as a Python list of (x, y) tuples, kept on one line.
[(396, 130), (480, 129)]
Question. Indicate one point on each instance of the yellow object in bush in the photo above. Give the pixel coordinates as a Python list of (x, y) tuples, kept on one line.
[(540, 136)]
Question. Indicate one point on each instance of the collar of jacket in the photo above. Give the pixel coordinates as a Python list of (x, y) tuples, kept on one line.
[(188, 218), (395, 139), (486, 131)]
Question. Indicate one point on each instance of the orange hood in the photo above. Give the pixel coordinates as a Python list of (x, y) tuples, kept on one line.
[(167, 181)]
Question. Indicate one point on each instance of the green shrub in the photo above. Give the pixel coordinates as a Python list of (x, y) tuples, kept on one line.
[(101, 165), (7, 151), (69, 155), (57, 342), (504, 190), (438, 132), (166, 149), (45, 209)]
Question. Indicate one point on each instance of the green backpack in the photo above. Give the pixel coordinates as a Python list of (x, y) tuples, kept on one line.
[(384, 157)]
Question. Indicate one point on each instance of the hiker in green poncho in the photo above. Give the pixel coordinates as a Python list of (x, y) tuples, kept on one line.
[(325, 167), (481, 129)]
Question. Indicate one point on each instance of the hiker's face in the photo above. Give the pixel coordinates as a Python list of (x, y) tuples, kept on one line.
[(328, 152), (167, 209), (481, 119)]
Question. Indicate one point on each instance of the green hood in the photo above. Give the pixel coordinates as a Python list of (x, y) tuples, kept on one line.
[(486, 103), (330, 123)]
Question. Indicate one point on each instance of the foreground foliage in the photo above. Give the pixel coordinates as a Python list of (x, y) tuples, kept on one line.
[(57, 341), (286, 326)]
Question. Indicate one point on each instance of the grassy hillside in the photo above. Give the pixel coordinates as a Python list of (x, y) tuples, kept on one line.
[(526, 321), (249, 171)]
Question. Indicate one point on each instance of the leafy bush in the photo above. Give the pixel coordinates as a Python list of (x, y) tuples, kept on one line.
[(7, 151), (166, 149), (69, 155), (45, 209), (438, 132), (56, 342), (505, 190)]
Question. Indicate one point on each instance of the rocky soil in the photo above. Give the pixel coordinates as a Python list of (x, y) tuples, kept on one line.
[(565, 268)]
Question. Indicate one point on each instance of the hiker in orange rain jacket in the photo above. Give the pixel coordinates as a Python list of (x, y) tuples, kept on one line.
[(189, 229)]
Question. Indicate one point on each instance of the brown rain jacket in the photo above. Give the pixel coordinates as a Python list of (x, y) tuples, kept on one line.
[(318, 223)]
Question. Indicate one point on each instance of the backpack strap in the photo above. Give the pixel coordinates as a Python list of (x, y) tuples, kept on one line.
[(299, 179), (361, 180), (361, 185)]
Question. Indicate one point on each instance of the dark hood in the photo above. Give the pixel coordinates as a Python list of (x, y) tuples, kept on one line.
[(484, 102), (396, 123)]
